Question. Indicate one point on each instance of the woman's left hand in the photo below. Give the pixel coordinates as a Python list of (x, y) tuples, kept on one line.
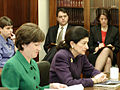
[(101, 45), (57, 85), (101, 77)]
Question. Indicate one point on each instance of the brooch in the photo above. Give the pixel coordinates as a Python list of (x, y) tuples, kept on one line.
[(71, 60)]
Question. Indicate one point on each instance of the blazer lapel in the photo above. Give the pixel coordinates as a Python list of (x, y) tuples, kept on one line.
[(99, 34), (68, 26), (107, 38), (55, 32)]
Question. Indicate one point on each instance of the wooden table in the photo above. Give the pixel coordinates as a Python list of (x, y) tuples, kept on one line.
[(103, 88)]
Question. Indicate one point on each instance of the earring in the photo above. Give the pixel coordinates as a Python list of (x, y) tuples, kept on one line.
[(71, 46)]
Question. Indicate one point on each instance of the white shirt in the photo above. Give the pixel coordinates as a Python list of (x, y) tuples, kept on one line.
[(64, 31)]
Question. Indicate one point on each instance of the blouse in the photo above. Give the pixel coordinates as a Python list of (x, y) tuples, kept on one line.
[(6, 50)]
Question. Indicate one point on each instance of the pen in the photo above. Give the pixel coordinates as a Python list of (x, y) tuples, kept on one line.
[(98, 42)]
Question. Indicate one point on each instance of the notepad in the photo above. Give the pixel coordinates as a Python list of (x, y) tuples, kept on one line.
[(98, 52), (108, 83), (73, 87)]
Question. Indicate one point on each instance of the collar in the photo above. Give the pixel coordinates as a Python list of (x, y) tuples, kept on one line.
[(72, 58), (1, 37), (9, 41), (24, 62), (65, 26)]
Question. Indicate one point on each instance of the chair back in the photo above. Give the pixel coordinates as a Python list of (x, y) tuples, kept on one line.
[(2, 88), (44, 67)]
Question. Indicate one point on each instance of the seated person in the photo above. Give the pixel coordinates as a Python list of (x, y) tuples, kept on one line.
[(70, 61), (21, 71), (103, 42), (7, 49), (56, 34)]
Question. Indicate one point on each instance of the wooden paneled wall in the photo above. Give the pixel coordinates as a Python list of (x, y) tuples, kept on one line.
[(20, 11)]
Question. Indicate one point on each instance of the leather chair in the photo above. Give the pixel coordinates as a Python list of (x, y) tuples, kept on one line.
[(44, 67), (2, 88)]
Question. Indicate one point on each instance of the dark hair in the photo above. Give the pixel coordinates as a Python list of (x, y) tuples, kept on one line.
[(5, 21), (102, 11), (62, 10), (75, 33), (27, 33)]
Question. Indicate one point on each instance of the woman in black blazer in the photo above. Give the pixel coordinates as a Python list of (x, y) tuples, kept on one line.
[(103, 42)]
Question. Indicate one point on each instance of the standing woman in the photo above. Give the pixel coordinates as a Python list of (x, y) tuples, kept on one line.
[(103, 36), (70, 61), (21, 71)]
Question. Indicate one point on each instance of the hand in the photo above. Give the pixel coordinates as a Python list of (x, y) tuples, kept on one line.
[(100, 78), (96, 49), (57, 86), (101, 45), (13, 37), (110, 45)]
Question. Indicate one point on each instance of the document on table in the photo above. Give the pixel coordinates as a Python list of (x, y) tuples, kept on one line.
[(73, 87), (108, 83)]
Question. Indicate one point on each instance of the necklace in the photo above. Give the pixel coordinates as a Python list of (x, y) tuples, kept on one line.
[(104, 28)]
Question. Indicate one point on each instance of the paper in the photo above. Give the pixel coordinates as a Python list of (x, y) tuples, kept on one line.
[(108, 83), (73, 87), (99, 51)]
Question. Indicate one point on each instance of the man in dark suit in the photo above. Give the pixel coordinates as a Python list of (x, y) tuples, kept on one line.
[(54, 33)]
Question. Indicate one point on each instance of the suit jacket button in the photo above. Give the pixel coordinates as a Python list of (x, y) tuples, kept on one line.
[(34, 77), (36, 86), (31, 68)]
